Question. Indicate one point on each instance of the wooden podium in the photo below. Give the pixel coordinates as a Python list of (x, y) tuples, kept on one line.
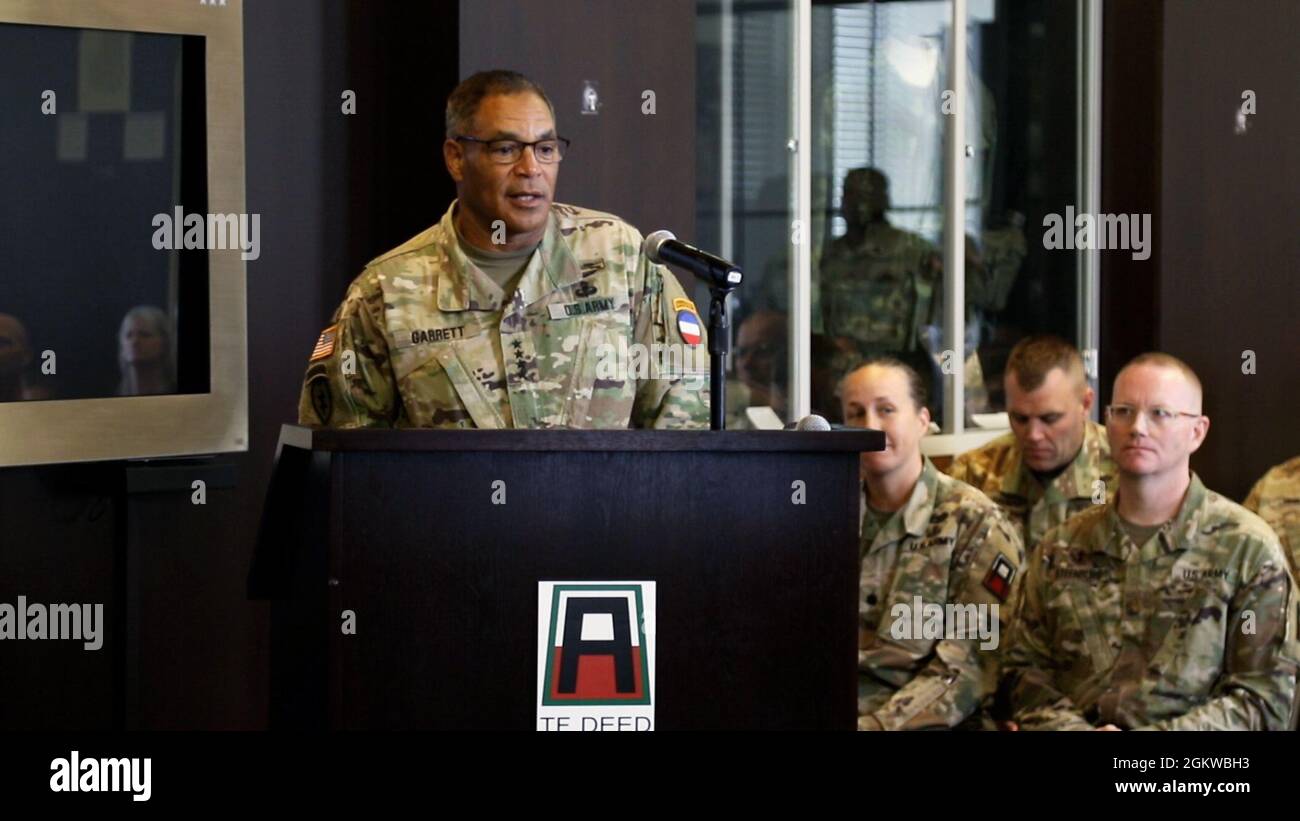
[(436, 541)]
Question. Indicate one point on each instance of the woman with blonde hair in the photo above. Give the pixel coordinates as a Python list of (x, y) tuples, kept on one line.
[(144, 353)]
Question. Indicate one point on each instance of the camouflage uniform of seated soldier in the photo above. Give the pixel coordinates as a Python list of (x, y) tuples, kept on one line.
[(938, 573), (1276, 498), (1170, 608)]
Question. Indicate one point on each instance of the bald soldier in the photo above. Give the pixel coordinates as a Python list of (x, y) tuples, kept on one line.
[(1170, 608), (1276, 498), (1056, 461), (513, 311)]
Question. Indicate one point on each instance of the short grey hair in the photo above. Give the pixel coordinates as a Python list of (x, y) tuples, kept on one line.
[(464, 101)]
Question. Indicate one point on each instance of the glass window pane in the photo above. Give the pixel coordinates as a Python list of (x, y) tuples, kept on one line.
[(880, 95), (1023, 125), (878, 165), (744, 122)]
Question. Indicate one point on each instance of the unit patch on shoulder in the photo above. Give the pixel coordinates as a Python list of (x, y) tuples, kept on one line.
[(998, 579), (322, 399), (688, 320)]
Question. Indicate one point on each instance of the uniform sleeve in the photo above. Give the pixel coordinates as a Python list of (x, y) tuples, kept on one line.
[(349, 381), (1253, 500), (677, 394), (960, 469), (1028, 668), (963, 673), (1258, 684), (979, 284), (991, 268)]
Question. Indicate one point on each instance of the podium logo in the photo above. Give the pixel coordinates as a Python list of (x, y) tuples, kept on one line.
[(595, 655), (596, 651)]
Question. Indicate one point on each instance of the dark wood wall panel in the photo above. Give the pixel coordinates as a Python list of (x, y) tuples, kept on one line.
[(1229, 237), (1130, 177), (641, 167)]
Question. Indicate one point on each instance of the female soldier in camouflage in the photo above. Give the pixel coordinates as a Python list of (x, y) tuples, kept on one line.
[(939, 567)]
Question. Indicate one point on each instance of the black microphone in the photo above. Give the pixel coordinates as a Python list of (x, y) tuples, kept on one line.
[(664, 248)]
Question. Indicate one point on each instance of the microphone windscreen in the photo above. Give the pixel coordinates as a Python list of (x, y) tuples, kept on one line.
[(650, 247), (813, 422)]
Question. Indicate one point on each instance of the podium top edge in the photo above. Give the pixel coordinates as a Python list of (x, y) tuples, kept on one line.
[(379, 439)]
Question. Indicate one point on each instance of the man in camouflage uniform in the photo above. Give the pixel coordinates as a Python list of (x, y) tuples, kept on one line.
[(1056, 461), (877, 281), (882, 287), (1169, 608), (513, 311), (945, 548), (1276, 498)]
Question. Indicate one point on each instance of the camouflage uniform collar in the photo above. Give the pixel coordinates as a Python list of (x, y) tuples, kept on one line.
[(915, 514), (461, 285), (558, 267), (464, 287), (1078, 476), (1180, 530), (921, 505)]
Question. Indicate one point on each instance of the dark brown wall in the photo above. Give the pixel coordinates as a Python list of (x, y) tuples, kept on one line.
[(1132, 69), (1230, 241), (1221, 278), (641, 167), (57, 536)]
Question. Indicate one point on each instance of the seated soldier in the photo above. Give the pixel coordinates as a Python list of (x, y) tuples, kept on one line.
[(1056, 461), (1170, 607), (939, 567), (1276, 498)]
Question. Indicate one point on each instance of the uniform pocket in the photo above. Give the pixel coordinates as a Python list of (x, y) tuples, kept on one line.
[(600, 385), (1193, 643), (874, 312), (1082, 628), (476, 401)]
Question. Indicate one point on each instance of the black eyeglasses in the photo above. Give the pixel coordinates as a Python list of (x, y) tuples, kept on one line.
[(508, 152)]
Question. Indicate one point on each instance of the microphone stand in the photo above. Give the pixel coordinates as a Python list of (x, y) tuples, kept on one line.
[(719, 350), (722, 278)]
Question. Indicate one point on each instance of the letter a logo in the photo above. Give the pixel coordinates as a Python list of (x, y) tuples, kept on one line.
[(596, 650)]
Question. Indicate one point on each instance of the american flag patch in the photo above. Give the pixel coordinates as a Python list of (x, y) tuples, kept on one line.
[(324, 345)]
